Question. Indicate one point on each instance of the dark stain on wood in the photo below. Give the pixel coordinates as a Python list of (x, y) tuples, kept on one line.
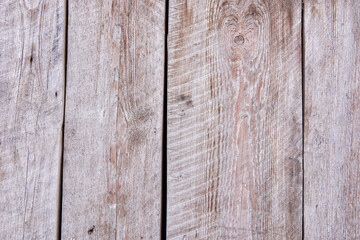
[(143, 115), (136, 137), (186, 99)]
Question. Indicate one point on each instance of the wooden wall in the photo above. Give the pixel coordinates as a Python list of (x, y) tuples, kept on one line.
[(180, 119)]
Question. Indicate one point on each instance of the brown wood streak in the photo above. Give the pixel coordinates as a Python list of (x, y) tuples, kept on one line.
[(31, 96), (332, 127), (112, 161), (234, 120)]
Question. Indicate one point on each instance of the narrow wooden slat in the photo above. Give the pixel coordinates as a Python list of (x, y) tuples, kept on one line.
[(234, 120), (31, 113), (113, 126), (332, 119)]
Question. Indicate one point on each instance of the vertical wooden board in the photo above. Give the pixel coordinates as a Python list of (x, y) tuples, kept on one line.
[(332, 119), (31, 114), (234, 120), (113, 126)]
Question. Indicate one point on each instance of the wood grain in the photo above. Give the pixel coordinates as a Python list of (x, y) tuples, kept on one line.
[(31, 114), (234, 120), (332, 119), (113, 127)]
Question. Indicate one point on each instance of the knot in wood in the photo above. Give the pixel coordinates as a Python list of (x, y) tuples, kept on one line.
[(239, 39)]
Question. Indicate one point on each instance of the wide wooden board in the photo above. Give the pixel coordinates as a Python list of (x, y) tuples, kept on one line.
[(113, 126), (332, 119), (31, 115), (234, 120)]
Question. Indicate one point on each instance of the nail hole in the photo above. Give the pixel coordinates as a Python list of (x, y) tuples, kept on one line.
[(239, 40), (91, 230)]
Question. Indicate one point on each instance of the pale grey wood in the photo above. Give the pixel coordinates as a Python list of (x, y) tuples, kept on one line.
[(332, 119), (31, 113), (113, 126), (234, 120)]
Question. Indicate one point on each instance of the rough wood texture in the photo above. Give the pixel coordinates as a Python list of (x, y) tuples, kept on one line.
[(332, 119), (31, 113), (234, 120), (113, 126)]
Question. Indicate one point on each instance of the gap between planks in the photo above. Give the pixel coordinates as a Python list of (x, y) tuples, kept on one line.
[(303, 113), (164, 140), (60, 187)]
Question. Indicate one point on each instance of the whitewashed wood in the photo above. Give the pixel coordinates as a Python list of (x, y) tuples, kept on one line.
[(332, 119), (31, 113), (113, 126), (234, 120)]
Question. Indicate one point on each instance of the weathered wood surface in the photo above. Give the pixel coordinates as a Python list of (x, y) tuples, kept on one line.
[(113, 126), (234, 120), (31, 113), (332, 113)]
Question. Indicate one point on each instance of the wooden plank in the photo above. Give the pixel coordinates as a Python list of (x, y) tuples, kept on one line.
[(234, 120), (31, 114), (332, 119), (113, 126)]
